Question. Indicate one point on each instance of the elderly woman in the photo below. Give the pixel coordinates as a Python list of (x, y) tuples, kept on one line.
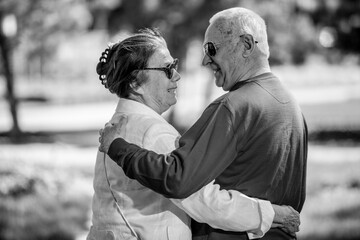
[(143, 74)]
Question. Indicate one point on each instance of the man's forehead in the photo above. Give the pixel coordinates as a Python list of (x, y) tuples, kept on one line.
[(219, 30), (212, 34)]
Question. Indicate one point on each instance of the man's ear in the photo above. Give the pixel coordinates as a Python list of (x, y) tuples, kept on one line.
[(249, 45)]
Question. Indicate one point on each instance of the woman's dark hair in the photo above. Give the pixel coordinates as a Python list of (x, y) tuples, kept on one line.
[(119, 64)]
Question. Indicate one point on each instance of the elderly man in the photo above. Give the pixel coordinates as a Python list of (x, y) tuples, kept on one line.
[(252, 139)]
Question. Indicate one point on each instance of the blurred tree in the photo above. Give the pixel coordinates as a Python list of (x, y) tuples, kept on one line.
[(291, 35), (6, 47), (41, 24), (338, 24), (180, 21), (44, 25)]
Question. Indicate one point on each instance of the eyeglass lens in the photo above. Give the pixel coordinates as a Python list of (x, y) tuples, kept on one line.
[(169, 69), (210, 49)]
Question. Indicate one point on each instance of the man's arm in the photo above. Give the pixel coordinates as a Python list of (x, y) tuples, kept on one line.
[(205, 151)]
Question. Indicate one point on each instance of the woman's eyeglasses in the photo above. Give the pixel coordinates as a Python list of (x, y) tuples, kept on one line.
[(168, 70), (211, 48)]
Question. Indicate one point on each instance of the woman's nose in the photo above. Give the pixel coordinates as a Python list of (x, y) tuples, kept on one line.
[(176, 76)]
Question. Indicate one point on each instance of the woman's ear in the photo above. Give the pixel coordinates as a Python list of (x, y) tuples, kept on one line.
[(136, 88)]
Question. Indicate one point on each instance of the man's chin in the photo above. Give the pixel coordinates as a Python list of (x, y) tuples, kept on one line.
[(219, 82)]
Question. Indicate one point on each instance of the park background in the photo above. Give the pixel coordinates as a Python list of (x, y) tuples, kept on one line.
[(52, 103)]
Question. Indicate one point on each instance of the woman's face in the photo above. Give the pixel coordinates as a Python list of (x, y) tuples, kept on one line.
[(159, 92)]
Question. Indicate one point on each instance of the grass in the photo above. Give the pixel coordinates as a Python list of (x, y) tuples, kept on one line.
[(317, 73), (42, 200), (332, 207), (333, 116), (51, 199)]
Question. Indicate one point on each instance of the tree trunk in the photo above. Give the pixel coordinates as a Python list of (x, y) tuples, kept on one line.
[(5, 49)]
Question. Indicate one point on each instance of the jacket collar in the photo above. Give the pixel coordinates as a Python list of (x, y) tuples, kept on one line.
[(129, 106)]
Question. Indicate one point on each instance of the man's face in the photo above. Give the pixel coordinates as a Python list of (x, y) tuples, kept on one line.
[(159, 92), (225, 63)]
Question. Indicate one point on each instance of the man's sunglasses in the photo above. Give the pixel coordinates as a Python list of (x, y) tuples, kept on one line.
[(168, 70), (211, 48)]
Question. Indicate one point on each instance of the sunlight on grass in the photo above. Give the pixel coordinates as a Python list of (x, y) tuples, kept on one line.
[(42, 195), (332, 206)]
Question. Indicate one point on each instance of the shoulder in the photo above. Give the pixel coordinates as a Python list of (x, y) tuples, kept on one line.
[(144, 130), (159, 128), (231, 101), (160, 138), (158, 135)]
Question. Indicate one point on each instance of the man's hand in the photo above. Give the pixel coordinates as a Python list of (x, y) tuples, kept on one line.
[(286, 218), (110, 132)]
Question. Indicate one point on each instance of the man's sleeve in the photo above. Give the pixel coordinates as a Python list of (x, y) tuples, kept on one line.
[(205, 151), (228, 210)]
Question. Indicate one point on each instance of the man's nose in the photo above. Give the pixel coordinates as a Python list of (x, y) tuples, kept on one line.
[(206, 60)]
